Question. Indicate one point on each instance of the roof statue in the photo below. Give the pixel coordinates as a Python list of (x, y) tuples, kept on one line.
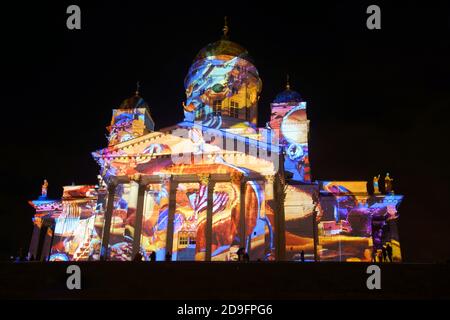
[(44, 189)]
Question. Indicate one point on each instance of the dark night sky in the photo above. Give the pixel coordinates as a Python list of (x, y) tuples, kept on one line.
[(377, 100)]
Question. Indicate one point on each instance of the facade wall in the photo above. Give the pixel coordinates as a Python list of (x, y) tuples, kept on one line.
[(46, 246), (300, 212), (353, 225), (325, 221)]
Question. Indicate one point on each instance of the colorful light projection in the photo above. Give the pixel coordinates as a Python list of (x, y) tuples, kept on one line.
[(183, 150), (189, 242), (204, 152), (299, 211), (352, 224), (222, 92), (291, 125), (123, 222), (260, 225), (225, 221), (99, 222), (222, 82), (46, 211), (154, 221), (75, 236), (189, 222), (131, 120)]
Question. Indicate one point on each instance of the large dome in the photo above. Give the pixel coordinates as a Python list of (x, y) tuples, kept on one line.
[(222, 86), (223, 47)]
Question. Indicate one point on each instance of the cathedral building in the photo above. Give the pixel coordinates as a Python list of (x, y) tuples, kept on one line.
[(215, 183)]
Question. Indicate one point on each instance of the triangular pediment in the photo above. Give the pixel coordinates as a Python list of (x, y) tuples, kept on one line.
[(187, 144)]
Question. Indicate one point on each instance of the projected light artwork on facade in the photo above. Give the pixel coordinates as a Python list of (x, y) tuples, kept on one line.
[(214, 183)]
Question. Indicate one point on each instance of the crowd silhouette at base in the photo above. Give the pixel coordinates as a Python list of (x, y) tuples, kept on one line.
[(384, 254)]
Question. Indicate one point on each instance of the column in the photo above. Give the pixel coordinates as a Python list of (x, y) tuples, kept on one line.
[(237, 179), (104, 251), (46, 246), (271, 201), (394, 240), (171, 214), (209, 214), (279, 219), (138, 220), (34, 240), (315, 234), (269, 187), (53, 225), (242, 228)]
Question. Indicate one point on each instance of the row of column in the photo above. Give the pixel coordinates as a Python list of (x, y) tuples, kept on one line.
[(236, 178)]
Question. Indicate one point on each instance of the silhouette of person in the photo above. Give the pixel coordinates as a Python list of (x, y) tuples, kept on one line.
[(389, 252), (168, 256), (138, 257), (246, 257), (383, 251), (240, 253), (380, 256), (374, 255), (302, 256), (153, 256)]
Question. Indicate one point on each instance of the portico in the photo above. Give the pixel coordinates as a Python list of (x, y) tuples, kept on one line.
[(170, 182)]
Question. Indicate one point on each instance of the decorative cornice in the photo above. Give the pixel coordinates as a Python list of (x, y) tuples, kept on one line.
[(135, 177), (204, 178), (165, 178), (236, 177), (269, 178)]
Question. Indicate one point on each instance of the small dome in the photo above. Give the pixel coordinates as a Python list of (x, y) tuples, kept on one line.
[(133, 102), (223, 47), (288, 96)]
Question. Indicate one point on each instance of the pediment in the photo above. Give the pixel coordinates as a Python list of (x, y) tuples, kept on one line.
[(186, 145)]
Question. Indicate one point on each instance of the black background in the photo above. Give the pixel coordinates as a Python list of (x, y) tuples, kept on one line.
[(377, 99)]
